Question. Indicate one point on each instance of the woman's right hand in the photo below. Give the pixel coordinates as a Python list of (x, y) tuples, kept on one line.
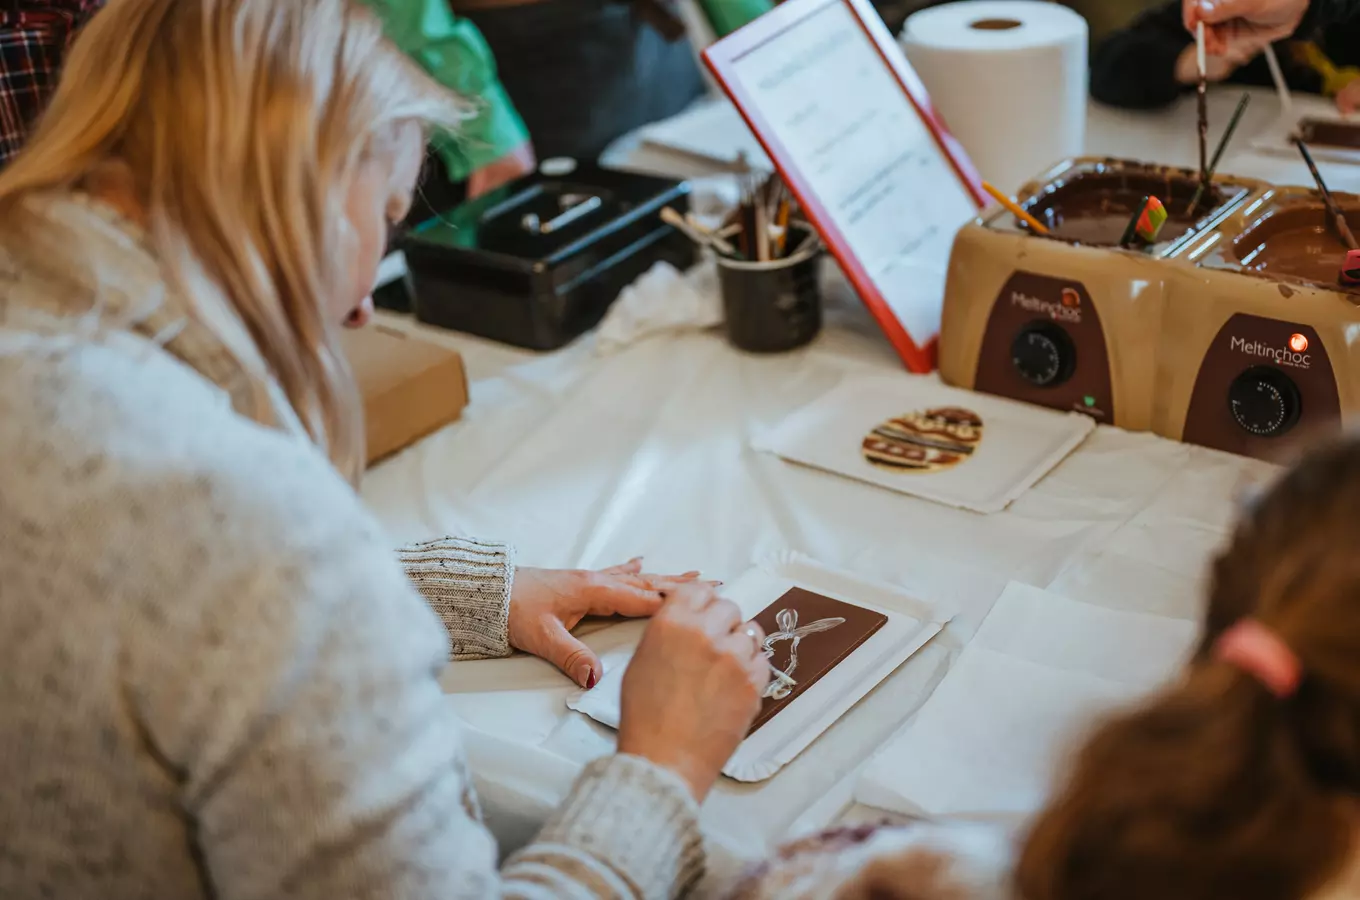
[(693, 687), (1243, 28)]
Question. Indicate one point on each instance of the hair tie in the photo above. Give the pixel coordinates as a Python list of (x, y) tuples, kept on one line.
[(1255, 649)]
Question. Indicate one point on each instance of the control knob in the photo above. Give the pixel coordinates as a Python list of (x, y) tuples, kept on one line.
[(1264, 401), (1043, 354)]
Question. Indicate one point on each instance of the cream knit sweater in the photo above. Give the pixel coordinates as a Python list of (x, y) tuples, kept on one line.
[(215, 680)]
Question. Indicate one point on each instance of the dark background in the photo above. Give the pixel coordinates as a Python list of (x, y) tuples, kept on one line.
[(1104, 15)]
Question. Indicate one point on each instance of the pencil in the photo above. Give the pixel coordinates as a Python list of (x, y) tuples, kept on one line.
[(1014, 209)]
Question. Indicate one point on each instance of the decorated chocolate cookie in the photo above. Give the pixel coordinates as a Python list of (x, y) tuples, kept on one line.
[(924, 441)]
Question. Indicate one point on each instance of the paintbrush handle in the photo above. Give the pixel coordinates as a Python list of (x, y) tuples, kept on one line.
[(1202, 93), (719, 243), (1228, 133), (696, 233), (1345, 231), (1199, 194)]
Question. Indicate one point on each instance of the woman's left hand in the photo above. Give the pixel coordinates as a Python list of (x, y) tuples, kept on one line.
[(1348, 98), (546, 604)]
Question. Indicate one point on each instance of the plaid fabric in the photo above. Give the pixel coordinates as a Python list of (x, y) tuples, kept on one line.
[(34, 35)]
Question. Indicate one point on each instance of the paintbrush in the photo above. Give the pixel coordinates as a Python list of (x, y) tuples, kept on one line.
[(781, 220), (1015, 209), (710, 236), (1338, 218), (762, 228), (1219, 150), (1202, 92), (697, 233)]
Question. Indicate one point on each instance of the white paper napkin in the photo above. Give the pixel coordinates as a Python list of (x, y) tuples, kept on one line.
[(1038, 676), (1020, 443), (662, 300)]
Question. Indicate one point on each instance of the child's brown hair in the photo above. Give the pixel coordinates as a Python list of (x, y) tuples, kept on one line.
[(1218, 788)]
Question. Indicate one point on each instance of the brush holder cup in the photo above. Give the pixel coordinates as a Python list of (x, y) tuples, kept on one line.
[(771, 307)]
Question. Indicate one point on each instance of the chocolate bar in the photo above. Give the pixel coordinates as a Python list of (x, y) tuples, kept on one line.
[(808, 635)]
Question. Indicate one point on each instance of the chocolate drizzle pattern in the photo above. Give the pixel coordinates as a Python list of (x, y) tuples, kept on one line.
[(926, 441)]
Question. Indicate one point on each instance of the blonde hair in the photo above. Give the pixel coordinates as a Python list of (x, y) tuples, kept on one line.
[(242, 122)]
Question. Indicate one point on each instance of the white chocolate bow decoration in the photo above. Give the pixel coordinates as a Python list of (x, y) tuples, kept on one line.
[(787, 621)]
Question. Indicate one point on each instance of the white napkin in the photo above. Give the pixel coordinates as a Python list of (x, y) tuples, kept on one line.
[(1020, 443), (662, 300), (1040, 673), (518, 785)]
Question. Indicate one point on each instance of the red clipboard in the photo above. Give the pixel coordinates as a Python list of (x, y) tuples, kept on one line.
[(722, 58)]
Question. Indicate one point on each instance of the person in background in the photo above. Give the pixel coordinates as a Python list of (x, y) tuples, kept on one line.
[(553, 78), (1152, 62), (491, 147), (216, 680), (1241, 780), (34, 37)]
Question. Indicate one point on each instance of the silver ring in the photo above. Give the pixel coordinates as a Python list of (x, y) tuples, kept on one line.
[(754, 635)]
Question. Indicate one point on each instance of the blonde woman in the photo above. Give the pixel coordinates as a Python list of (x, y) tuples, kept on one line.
[(215, 680)]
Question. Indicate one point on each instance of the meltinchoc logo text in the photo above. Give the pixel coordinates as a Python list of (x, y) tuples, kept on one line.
[(1058, 312), (1281, 356)]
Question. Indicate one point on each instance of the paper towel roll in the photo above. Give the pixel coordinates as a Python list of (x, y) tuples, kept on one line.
[(1009, 79)]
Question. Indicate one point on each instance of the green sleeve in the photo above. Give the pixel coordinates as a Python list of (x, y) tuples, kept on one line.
[(726, 16), (454, 52)]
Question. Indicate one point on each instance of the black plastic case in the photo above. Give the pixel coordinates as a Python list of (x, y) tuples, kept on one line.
[(539, 262)]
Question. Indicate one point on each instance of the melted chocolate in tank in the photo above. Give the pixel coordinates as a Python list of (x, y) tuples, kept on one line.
[(1295, 242), (1095, 208)]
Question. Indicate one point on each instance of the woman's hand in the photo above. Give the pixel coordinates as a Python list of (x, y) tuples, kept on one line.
[(1217, 68), (515, 164), (1348, 98), (1242, 28), (546, 604), (694, 686)]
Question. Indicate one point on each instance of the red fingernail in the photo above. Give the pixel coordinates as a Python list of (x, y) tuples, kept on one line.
[(590, 682)]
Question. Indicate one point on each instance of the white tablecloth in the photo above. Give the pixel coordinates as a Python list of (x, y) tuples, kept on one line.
[(582, 460)]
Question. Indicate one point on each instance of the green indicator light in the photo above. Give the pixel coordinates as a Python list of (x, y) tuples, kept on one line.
[(1090, 401)]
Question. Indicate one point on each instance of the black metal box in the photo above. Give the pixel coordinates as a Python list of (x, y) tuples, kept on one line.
[(538, 262)]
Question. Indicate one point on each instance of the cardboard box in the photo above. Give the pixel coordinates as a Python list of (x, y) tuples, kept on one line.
[(411, 387)]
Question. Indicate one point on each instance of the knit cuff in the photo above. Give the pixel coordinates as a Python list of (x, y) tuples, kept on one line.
[(468, 584), (629, 829)]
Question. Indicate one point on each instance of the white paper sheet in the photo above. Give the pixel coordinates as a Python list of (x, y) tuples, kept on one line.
[(911, 623), (711, 131), (1040, 673), (1020, 443)]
